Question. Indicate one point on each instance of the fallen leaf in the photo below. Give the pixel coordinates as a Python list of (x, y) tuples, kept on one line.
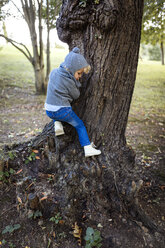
[(162, 187), (18, 171), (77, 232), (42, 175), (99, 225), (19, 199), (51, 176), (61, 222), (147, 184), (35, 151), (29, 186), (43, 198), (37, 157), (54, 235)]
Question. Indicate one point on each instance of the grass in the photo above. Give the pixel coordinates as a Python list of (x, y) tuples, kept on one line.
[(16, 70), (146, 122), (149, 93)]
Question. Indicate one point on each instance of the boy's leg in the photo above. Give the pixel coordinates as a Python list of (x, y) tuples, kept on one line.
[(76, 122), (66, 114)]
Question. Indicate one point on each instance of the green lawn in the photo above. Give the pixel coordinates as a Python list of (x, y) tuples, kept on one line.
[(14, 66), (146, 122), (149, 93)]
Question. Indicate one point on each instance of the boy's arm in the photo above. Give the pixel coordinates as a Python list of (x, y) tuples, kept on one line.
[(73, 91)]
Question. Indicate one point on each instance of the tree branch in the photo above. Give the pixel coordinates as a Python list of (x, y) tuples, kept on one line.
[(13, 42), (17, 9)]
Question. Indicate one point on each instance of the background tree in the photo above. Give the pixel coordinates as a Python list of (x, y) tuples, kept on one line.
[(153, 28), (50, 13), (33, 14), (4, 29), (3, 14), (154, 52), (29, 14), (29, 10)]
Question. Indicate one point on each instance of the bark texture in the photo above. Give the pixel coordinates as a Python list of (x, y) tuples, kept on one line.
[(108, 34)]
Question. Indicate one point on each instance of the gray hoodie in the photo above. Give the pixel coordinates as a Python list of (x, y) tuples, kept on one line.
[(63, 88)]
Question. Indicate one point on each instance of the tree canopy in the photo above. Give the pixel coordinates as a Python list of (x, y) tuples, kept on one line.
[(2, 4), (153, 28), (54, 7)]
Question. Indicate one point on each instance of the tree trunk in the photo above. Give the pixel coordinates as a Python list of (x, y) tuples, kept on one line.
[(39, 78), (5, 31), (162, 52), (48, 44), (43, 83), (108, 35), (38, 63)]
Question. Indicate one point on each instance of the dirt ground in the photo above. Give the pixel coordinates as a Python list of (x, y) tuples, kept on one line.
[(22, 117), (22, 114)]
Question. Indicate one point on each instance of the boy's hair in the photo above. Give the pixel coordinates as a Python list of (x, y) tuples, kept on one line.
[(87, 69)]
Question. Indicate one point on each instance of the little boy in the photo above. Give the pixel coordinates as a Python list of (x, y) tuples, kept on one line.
[(63, 88)]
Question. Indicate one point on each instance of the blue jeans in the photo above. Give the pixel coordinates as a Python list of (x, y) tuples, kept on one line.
[(66, 114)]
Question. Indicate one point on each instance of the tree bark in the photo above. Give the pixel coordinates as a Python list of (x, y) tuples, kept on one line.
[(5, 31), (48, 43)]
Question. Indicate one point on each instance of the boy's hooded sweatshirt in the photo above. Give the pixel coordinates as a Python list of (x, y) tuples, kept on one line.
[(63, 88)]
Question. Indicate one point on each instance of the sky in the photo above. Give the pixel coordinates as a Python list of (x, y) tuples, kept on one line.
[(17, 29)]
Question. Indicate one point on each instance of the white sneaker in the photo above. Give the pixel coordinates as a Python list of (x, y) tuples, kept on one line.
[(91, 151), (58, 128)]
